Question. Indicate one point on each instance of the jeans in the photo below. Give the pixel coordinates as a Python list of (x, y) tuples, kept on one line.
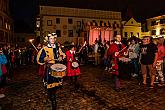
[(135, 65)]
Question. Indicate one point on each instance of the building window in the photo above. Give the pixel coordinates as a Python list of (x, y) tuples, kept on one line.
[(115, 33), (153, 32), (70, 21), (78, 23), (125, 34), (153, 23), (117, 25), (131, 34), (101, 23), (58, 32), (137, 34), (162, 31), (162, 21), (57, 20), (49, 22), (70, 33)]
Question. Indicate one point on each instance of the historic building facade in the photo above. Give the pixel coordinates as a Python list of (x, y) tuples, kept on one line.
[(156, 26), (131, 28), (77, 25), (6, 23)]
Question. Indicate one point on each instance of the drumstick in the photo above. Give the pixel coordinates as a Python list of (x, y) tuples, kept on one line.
[(82, 47), (122, 49)]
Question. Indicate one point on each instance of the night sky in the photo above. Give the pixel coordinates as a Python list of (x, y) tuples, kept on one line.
[(24, 11)]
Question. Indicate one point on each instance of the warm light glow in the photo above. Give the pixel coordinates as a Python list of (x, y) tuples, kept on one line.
[(31, 40), (157, 30)]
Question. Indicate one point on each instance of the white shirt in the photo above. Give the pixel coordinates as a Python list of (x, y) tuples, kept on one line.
[(131, 50), (96, 48)]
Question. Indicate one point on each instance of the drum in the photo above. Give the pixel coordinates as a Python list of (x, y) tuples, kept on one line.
[(75, 65), (58, 70), (124, 59)]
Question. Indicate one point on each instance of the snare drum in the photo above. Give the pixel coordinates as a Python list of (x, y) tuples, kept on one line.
[(75, 65), (58, 70), (124, 59)]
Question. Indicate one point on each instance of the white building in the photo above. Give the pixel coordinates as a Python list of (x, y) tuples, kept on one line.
[(77, 25)]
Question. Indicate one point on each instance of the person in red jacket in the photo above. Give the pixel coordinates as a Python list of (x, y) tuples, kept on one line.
[(116, 51), (73, 71)]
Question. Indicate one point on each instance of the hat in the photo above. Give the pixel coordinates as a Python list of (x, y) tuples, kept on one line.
[(50, 35)]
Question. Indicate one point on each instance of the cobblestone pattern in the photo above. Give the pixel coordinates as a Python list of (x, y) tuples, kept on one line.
[(96, 92)]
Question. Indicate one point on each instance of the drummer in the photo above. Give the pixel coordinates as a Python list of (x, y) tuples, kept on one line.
[(73, 70), (116, 51), (48, 56)]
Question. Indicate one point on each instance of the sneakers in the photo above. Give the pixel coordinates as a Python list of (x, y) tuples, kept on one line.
[(106, 68), (2, 96), (134, 75)]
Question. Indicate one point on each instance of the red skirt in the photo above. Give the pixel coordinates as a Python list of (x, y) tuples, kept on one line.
[(72, 71)]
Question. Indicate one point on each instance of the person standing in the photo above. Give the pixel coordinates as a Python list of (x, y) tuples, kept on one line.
[(116, 51), (159, 64), (3, 61), (49, 55), (148, 59), (73, 72), (133, 52)]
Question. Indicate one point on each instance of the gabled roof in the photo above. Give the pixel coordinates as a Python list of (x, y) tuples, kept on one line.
[(131, 22)]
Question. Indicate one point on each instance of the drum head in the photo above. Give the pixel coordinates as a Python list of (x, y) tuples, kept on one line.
[(75, 64), (58, 67)]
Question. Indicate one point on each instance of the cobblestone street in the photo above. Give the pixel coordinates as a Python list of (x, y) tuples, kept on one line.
[(96, 92)]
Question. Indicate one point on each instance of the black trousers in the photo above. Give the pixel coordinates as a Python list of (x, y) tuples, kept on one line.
[(52, 97)]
